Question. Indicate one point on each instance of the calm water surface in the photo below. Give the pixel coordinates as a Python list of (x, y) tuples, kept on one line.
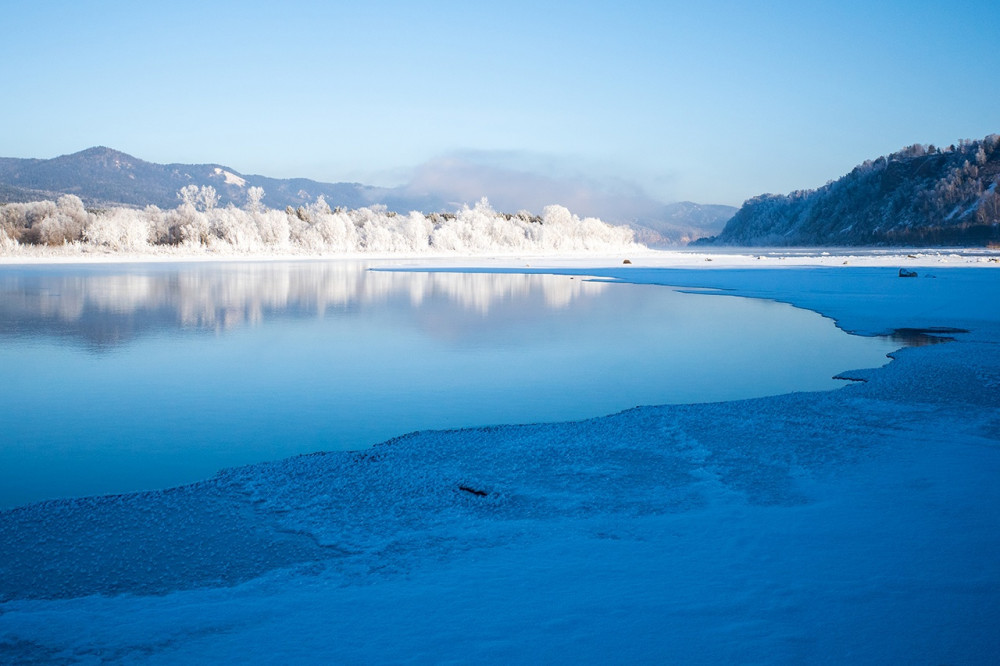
[(121, 378)]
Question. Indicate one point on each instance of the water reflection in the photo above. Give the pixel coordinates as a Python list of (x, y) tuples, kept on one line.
[(103, 307), (921, 337), (204, 366)]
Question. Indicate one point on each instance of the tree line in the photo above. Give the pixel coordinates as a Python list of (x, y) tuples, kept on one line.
[(199, 223)]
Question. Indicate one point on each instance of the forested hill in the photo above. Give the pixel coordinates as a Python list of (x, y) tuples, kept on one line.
[(105, 177), (921, 195)]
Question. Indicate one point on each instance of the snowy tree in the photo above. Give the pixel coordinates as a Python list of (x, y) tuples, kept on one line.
[(208, 197), (200, 224), (62, 222), (121, 229), (254, 196), (188, 195), (200, 198)]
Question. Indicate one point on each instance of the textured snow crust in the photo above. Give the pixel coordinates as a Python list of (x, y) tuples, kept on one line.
[(852, 526)]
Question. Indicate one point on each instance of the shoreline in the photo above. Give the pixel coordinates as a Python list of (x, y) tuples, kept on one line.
[(727, 257)]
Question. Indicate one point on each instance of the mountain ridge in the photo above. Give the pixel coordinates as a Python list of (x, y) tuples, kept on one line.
[(921, 195), (105, 177)]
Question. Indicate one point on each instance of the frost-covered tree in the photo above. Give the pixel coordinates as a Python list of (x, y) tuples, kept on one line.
[(208, 197), (316, 228), (59, 223), (7, 243), (201, 198), (121, 230), (255, 196), (188, 195)]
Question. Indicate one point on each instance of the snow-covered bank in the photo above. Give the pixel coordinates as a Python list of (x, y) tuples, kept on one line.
[(563, 257), (852, 526), (867, 300)]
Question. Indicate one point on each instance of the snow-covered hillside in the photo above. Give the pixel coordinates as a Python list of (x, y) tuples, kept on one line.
[(919, 196)]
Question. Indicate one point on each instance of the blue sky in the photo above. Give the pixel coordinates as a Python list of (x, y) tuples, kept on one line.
[(713, 102)]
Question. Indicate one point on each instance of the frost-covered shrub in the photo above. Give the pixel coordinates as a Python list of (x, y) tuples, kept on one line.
[(417, 229), (12, 221), (62, 222), (235, 228), (561, 230), (7, 243), (46, 225), (329, 231), (187, 225), (120, 229), (159, 226), (198, 223), (202, 198), (254, 197), (474, 229), (273, 227), (382, 231)]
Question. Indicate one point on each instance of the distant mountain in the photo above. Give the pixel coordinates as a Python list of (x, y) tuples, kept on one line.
[(104, 177), (681, 222), (921, 195)]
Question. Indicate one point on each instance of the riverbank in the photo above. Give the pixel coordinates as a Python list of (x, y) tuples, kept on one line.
[(639, 256)]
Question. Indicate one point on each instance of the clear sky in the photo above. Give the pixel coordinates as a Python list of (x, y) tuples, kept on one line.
[(707, 101)]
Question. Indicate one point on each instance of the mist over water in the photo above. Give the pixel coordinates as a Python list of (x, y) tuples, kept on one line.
[(121, 378)]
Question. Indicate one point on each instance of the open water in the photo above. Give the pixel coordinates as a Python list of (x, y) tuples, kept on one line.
[(116, 378)]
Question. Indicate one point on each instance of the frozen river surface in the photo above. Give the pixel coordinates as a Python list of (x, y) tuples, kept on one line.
[(133, 377), (851, 526)]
